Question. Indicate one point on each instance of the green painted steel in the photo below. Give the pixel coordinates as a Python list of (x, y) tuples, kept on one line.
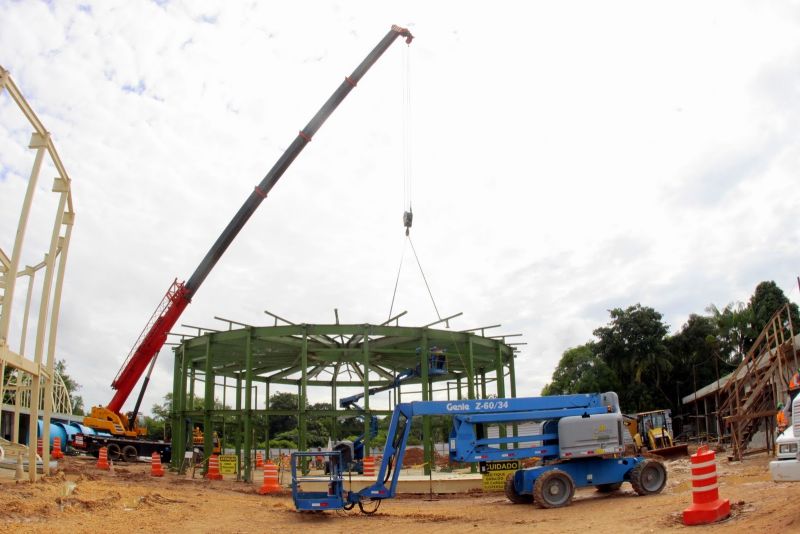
[(319, 356)]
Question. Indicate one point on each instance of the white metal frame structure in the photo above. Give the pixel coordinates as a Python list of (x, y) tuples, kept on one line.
[(41, 367)]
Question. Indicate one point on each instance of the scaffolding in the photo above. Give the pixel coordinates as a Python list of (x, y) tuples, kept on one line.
[(328, 358)]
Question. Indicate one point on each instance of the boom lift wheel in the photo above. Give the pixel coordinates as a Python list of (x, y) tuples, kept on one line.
[(648, 477), (553, 489), (129, 453), (114, 452), (512, 495)]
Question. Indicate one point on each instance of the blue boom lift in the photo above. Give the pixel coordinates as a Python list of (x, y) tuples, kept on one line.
[(581, 444), (352, 452)]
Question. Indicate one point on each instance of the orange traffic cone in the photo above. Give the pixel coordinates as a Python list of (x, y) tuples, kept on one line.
[(369, 466), (56, 453), (707, 507), (156, 469), (270, 479), (39, 446), (102, 460), (213, 468), (259, 460)]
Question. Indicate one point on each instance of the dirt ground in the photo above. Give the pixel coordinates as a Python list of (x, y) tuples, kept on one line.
[(129, 500)]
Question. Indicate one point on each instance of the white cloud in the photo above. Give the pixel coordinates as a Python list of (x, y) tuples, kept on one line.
[(567, 159)]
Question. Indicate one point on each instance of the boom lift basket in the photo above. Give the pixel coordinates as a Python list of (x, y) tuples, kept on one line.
[(331, 498)]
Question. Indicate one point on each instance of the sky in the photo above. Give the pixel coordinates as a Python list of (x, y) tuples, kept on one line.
[(562, 159)]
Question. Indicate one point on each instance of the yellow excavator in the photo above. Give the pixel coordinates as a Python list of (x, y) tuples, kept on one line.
[(652, 432)]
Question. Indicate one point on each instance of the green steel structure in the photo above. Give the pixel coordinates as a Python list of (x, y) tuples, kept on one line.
[(328, 358)]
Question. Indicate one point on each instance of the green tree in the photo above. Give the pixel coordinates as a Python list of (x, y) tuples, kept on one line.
[(695, 358), (735, 331), (767, 299), (580, 370), (633, 346), (72, 387)]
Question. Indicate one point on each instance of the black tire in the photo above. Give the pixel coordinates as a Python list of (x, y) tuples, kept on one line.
[(129, 453), (114, 452), (648, 477), (553, 489), (512, 495), (608, 488)]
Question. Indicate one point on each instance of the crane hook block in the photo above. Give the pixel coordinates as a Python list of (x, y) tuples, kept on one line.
[(408, 217)]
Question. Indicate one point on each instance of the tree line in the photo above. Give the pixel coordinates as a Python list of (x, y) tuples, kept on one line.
[(635, 355)]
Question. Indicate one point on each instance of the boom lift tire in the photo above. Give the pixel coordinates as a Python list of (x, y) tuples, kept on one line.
[(648, 477), (512, 495), (553, 489), (129, 453), (114, 452), (608, 488)]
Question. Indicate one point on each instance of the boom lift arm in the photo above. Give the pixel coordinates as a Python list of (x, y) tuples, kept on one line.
[(179, 295)]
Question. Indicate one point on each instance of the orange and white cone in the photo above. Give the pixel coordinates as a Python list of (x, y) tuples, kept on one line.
[(213, 468), (270, 479), (102, 460), (369, 466), (259, 460), (706, 506), (56, 453), (156, 469)]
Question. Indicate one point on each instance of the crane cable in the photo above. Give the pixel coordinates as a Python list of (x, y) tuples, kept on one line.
[(408, 216)]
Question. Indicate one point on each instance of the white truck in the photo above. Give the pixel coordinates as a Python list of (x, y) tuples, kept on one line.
[(787, 467)]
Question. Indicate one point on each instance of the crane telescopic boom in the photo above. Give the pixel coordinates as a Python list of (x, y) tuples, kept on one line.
[(180, 294)]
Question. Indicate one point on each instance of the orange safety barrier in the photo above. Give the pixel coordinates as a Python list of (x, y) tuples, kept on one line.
[(259, 460), (102, 459), (213, 468), (706, 506), (270, 479), (156, 469), (369, 466), (56, 453)]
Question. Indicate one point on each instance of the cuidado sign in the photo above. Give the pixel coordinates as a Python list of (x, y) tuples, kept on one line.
[(495, 473)]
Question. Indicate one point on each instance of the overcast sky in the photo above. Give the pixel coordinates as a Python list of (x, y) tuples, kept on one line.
[(567, 158)]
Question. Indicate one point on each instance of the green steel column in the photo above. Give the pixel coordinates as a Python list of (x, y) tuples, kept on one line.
[(513, 385), (190, 398), (238, 442), (501, 388), (178, 396), (470, 369), (365, 381), (248, 407), (458, 382), (426, 419), (208, 402), (267, 437), (334, 433), (302, 398)]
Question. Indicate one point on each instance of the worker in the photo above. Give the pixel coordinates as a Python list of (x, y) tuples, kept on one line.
[(794, 383), (781, 418)]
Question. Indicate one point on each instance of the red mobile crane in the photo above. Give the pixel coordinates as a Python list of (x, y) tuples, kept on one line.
[(120, 432)]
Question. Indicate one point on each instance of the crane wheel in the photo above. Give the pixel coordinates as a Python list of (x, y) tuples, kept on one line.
[(129, 453), (553, 489), (648, 477), (114, 452), (512, 495), (608, 488)]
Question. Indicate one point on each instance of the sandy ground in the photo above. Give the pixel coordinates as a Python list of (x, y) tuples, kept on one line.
[(129, 500)]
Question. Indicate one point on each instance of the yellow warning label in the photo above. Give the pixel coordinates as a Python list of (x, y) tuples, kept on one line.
[(227, 464), (495, 480)]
